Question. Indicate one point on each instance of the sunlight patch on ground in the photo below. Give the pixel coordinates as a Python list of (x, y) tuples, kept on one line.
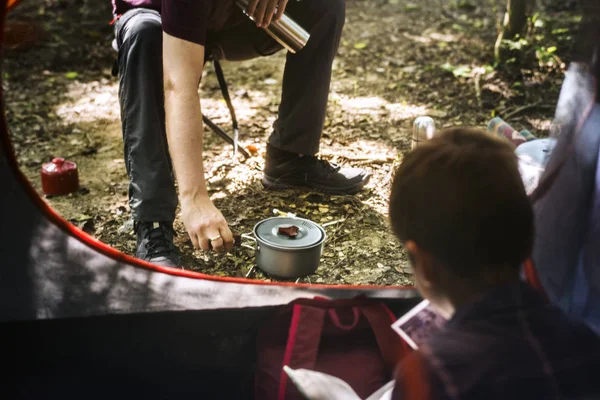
[(90, 101), (362, 151), (428, 38), (93, 101), (443, 37), (246, 104), (376, 106)]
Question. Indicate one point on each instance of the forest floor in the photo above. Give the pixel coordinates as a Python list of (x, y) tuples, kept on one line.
[(398, 60)]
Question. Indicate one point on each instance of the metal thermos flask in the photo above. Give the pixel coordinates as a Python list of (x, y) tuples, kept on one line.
[(287, 32), (423, 129)]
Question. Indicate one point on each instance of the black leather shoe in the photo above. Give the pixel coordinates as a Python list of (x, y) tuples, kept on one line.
[(313, 173), (155, 243)]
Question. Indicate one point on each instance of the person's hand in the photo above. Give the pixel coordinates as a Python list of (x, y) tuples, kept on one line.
[(205, 225), (266, 11)]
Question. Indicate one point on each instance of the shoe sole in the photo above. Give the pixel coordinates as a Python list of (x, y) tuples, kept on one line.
[(274, 184)]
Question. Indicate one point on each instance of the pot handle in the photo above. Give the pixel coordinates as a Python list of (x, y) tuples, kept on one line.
[(325, 225), (251, 238)]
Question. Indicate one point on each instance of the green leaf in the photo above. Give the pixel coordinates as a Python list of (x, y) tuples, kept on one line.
[(459, 71), (71, 75), (448, 67), (82, 217), (360, 45), (537, 22)]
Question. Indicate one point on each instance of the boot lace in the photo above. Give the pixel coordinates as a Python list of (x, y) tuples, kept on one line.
[(159, 243)]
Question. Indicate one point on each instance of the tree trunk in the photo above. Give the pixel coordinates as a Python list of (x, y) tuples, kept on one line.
[(515, 21)]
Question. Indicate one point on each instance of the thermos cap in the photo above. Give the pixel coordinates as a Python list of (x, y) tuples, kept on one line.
[(423, 129)]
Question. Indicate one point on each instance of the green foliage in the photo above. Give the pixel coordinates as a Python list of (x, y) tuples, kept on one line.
[(517, 44), (540, 43), (457, 71), (545, 55)]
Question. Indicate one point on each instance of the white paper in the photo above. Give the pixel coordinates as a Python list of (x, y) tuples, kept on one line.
[(319, 386), (417, 325)]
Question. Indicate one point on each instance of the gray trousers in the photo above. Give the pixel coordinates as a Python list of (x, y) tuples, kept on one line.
[(306, 81)]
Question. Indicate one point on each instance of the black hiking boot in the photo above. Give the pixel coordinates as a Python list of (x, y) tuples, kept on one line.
[(313, 173), (155, 243)]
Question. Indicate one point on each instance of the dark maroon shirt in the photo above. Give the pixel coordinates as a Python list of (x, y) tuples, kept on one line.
[(187, 19)]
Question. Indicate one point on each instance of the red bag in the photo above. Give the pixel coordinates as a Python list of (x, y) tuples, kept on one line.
[(349, 339)]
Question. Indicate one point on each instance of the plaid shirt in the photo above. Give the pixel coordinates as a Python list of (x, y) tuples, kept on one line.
[(508, 345)]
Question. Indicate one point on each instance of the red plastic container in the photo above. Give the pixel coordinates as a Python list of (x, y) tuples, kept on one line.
[(59, 177)]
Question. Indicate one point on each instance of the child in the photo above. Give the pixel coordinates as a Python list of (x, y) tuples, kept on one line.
[(459, 207)]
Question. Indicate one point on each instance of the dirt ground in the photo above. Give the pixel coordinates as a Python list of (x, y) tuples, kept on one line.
[(398, 60)]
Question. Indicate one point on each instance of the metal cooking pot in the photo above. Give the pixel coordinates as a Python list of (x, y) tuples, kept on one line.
[(288, 247)]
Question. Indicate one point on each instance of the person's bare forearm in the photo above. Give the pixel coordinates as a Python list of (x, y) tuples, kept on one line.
[(183, 63), (185, 137)]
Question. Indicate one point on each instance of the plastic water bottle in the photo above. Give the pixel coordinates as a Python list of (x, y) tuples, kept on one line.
[(423, 129)]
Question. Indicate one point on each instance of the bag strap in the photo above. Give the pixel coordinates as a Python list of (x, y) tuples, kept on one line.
[(307, 323), (391, 346), (335, 319)]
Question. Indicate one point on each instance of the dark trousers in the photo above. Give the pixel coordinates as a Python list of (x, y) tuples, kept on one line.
[(306, 81)]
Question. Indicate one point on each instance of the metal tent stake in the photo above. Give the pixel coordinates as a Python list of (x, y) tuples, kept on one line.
[(220, 132)]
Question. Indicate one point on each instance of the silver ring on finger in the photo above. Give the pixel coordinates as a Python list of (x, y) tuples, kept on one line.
[(215, 238)]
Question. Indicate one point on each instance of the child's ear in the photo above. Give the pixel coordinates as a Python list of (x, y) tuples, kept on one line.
[(422, 263), (412, 259)]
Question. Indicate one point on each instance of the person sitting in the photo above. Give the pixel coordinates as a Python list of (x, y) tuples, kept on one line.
[(459, 207)]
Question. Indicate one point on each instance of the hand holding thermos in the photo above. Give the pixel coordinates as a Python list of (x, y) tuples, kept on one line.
[(265, 11), (269, 15)]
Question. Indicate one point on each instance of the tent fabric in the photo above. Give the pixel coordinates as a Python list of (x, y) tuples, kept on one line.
[(567, 200), (81, 320), (48, 273), (78, 319), (567, 206), (53, 270)]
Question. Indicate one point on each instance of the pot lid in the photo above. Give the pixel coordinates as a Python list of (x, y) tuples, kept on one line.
[(275, 231)]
